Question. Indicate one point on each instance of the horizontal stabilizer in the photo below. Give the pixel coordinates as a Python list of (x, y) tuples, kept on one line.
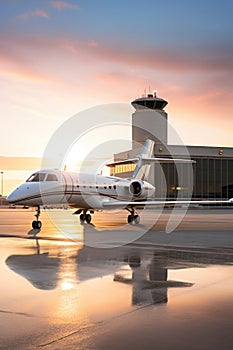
[(166, 160), (126, 161), (146, 160)]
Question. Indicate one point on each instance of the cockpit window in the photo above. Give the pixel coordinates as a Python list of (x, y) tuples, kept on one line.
[(51, 177), (37, 177)]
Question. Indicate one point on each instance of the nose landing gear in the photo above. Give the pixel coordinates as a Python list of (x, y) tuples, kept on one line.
[(37, 224)]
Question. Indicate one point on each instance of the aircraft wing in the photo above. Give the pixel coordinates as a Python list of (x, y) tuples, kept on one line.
[(120, 204)]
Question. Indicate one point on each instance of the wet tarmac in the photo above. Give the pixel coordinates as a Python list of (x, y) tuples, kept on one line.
[(61, 289)]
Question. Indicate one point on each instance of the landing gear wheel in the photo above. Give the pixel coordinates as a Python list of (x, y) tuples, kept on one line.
[(136, 219), (39, 224), (36, 224), (88, 218), (82, 218), (130, 219), (133, 218)]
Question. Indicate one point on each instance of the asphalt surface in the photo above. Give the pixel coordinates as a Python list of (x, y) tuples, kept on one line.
[(166, 283)]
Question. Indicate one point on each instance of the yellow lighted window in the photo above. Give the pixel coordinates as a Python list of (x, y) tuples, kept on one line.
[(123, 168)]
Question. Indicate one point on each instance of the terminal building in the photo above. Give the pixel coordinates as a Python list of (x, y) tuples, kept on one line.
[(211, 174)]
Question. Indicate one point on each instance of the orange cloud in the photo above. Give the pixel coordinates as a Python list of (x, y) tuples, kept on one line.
[(60, 5), (35, 13)]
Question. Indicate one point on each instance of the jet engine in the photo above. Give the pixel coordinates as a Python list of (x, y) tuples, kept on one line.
[(135, 188)]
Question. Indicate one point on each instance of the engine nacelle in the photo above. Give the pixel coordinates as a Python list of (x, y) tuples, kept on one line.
[(141, 189), (135, 188)]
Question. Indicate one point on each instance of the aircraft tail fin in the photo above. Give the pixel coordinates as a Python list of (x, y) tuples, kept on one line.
[(142, 169)]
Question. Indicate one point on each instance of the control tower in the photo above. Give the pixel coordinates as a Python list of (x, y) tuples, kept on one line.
[(149, 120)]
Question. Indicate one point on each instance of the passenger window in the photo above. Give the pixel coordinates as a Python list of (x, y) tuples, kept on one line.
[(51, 177)]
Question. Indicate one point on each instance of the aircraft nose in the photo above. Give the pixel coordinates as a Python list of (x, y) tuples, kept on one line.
[(12, 196)]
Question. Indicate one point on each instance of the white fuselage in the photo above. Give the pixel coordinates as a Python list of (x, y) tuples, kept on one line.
[(86, 191)]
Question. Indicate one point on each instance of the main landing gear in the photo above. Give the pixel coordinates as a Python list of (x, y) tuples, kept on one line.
[(37, 224), (84, 216), (133, 218)]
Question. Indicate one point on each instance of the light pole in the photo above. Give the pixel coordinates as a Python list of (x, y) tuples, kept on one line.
[(2, 172)]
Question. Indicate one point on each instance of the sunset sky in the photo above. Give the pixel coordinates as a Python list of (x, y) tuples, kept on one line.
[(60, 57)]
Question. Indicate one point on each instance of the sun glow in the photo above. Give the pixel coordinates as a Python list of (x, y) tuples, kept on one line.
[(67, 285), (94, 149)]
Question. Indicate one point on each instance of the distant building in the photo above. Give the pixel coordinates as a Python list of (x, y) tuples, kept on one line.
[(213, 169), (3, 200)]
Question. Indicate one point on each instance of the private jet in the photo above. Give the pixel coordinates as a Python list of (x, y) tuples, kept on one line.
[(90, 192)]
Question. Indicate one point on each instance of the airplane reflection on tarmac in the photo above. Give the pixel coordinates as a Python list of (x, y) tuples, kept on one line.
[(147, 273), (146, 268), (40, 269)]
